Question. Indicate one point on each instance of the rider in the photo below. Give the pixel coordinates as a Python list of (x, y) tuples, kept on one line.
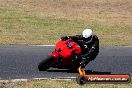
[(89, 43)]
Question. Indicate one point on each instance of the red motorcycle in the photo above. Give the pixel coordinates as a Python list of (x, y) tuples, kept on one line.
[(63, 57)]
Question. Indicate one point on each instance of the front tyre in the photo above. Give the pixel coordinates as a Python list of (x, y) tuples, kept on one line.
[(45, 64)]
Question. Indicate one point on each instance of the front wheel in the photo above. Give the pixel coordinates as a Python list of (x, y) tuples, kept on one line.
[(46, 63)]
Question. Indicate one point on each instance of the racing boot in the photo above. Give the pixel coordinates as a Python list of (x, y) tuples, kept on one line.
[(84, 62)]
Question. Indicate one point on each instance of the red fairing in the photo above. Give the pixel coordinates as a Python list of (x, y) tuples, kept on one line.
[(68, 47), (63, 55), (65, 48)]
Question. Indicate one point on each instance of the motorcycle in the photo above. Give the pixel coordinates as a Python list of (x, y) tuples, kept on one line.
[(63, 56)]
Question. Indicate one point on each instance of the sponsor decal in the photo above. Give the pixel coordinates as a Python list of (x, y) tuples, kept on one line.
[(108, 78), (82, 78)]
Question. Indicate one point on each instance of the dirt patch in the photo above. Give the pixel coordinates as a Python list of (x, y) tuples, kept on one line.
[(102, 11)]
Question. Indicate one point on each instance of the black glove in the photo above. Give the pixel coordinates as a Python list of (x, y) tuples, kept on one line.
[(64, 38)]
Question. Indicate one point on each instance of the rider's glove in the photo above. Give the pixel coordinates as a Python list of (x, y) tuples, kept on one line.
[(64, 38)]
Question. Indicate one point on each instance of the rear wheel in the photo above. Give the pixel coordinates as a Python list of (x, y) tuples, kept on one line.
[(46, 63)]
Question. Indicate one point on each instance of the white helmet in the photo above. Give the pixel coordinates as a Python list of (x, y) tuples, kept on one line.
[(87, 33)]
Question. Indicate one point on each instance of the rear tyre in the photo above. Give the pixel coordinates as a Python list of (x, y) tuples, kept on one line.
[(45, 64)]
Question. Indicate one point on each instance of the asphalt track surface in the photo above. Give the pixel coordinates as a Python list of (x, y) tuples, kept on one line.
[(20, 62)]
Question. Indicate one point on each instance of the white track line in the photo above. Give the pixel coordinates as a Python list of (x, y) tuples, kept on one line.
[(17, 80), (25, 80), (41, 45), (54, 45)]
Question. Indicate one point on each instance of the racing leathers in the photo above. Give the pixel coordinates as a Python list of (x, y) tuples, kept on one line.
[(89, 46)]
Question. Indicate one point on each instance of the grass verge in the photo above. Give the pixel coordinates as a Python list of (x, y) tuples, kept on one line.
[(60, 84), (20, 28)]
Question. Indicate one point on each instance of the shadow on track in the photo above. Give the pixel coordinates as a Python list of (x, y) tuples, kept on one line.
[(97, 72), (58, 70), (87, 71)]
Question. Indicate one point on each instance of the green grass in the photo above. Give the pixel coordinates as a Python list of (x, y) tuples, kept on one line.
[(45, 21), (20, 28), (61, 84)]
